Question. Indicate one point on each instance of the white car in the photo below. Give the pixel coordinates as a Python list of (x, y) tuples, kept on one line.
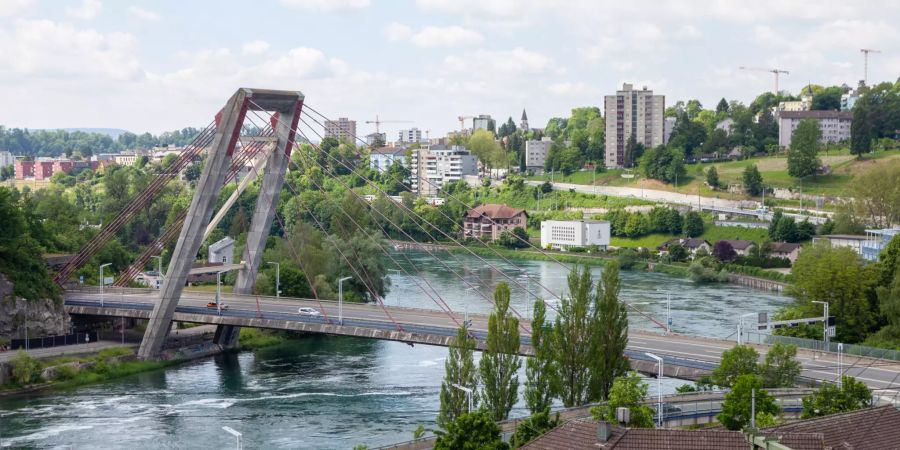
[(308, 312)]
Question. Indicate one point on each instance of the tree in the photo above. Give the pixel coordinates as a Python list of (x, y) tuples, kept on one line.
[(737, 361), (781, 368), (722, 107), (471, 431), (517, 238), (532, 427), (677, 252), (483, 145), (663, 163), (716, 142), (539, 369), (459, 369), (609, 333), (803, 157), (876, 195), (693, 224), (753, 180), (572, 341), (828, 99), (737, 407), (500, 359), (633, 151), (839, 276), (830, 399), (723, 251), (627, 392), (25, 368), (712, 178)]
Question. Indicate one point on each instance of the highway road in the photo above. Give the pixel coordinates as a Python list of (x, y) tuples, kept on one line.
[(681, 350)]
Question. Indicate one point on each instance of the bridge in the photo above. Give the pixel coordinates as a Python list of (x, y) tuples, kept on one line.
[(686, 357)]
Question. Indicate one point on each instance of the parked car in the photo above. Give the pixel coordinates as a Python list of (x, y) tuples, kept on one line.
[(305, 311), (221, 306)]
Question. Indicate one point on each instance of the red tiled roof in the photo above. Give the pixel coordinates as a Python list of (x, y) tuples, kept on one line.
[(582, 434), (864, 429), (494, 211)]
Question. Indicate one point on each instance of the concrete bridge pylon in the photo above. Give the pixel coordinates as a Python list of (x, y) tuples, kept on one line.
[(287, 106)]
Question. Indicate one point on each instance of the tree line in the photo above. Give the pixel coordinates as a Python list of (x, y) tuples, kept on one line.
[(53, 143)]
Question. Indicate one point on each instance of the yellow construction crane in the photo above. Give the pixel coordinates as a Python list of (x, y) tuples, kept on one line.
[(462, 122), (378, 122), (777, 72), (865, 52)]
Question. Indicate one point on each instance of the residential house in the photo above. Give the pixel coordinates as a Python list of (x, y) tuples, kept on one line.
[(785, 250), (490, 220), (692, 245), (563, 234), (725, 125), (852, 241), (536, 152), (741, 246), (439, 165), (222, 251), (382, 158), (877, 240), (7, 159)]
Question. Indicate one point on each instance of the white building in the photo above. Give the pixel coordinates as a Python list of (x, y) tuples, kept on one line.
[(410, 136), (222, 251), (725, 125), (536, 152), (125, 159), (341, 129), (438, 165), (835, 125), (563, 234), (7, 159), (376, 139), (382, 158)]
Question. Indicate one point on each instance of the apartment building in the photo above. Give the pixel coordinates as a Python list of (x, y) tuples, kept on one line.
[(835, 125), (410, 136), (483, 122), (438, 165), (341, 129), (491, 220), (382, 158), (631, 112), (6, 158), (376, 139), (43, 168), (536, 152), (564, 234)]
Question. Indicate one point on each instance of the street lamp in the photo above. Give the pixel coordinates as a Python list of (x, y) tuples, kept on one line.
[(277, 279), (102, 282), (341, 299), (159, 271), (668, 311), (236, 434), (740, 327), (840, 365), (468, 392), (219, 291), (824, 322), (659, 403)]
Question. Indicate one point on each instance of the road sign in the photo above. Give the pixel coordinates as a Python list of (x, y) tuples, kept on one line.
[(81, 279), (830, 331), (108, 280), (670, 321)]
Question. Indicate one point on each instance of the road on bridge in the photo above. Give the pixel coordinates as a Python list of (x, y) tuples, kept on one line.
[(690, 351)]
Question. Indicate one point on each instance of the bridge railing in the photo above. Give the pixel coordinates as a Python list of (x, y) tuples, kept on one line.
[(813, 344)]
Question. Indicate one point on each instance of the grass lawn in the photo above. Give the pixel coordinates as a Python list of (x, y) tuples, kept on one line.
[(712, 234), (650, 241)]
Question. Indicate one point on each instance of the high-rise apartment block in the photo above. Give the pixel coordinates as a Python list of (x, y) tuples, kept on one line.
[(439, 165), (341, 129), (410, 136), (636, 113), (484, 122)]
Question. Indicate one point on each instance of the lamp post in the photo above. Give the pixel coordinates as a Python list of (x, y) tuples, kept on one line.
[(740, 327), (102, 282), (218, 292), (668, 311), (236, 434), (468, 392), (659, 375), (840, 365), (341, 299), (159, 271), (277, 278), (824, 322)]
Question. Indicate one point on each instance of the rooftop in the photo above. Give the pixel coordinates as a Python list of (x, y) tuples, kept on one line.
[(816, 115), (739, 244), (865, 429), (494, 211), (784, 247)]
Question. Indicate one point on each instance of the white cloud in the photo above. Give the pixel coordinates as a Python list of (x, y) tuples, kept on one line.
[(46, 49), (327, 5), (688, 32), (570, 89), (432, 36), (255, 47), (144, 14), (484, 62), (88, 9), (10, 8)]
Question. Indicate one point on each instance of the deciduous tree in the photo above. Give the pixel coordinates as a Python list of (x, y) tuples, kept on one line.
[(753, 180), (803, 159), (830, 399), (629, 392), (737, 361), (737, 407), (459, 369), (499, 362), (572, 341), (471, 431), (539, 369), (781, 368), (609, 333)]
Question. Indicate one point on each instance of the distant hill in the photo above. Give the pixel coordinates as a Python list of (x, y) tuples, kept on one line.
[(112, 132)]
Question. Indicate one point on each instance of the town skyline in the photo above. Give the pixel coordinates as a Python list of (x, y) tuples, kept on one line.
[(109, 65)]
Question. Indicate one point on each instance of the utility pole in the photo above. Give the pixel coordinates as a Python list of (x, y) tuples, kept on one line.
[(865, 52), (277, 279), (824, 323)]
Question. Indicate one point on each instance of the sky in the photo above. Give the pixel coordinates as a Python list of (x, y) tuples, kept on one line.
[(168, 64)]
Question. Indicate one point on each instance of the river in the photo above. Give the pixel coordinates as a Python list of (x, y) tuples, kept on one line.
[(330, 392)]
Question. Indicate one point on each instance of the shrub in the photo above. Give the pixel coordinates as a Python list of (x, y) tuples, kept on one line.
[(25, 368)]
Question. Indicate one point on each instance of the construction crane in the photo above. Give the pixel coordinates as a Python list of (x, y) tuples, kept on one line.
[(777, 72), (462, 122), (378, 122), (865, 52)]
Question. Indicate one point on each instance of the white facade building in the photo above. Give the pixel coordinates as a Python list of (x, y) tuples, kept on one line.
[(835, 125), (484, 122), (438, 165), (382, 158), (7, 159), (411, 136), (222, 251), (563, 234), (376, 139)]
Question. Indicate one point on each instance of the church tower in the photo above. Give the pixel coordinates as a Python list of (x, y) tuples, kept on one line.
[(523, 124)]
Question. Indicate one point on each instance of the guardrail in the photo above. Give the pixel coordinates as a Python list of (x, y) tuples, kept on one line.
[(813, 344)]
